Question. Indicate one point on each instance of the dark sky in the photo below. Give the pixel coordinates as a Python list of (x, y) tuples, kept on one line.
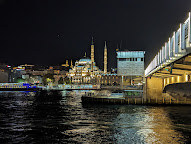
[(51, 31)]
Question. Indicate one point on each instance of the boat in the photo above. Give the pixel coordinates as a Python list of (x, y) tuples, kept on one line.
[(133, 93), (117, 94)]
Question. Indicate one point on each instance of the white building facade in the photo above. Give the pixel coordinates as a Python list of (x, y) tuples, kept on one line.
[(82, 73), (130, 63)]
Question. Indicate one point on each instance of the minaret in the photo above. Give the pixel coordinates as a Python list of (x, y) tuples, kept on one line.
[(67, 63), (71, 64), (105, 59), (92, 54)]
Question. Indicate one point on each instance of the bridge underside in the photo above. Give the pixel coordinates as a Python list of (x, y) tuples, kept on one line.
[(176, 72), (179, 68)]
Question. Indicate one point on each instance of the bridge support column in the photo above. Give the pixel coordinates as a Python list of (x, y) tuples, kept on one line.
[(154, 87)]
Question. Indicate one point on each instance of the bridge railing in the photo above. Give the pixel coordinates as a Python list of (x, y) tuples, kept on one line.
[(173, 49)]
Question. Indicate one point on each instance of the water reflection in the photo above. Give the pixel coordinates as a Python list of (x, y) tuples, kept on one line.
[(163, 127), (61, 118), (145, 125), (13, 111)]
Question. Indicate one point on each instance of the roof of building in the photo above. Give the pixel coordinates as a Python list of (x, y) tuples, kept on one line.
[(130, 54), (85, 59)]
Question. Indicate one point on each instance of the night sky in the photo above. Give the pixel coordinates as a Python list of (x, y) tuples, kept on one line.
[(51, 31)]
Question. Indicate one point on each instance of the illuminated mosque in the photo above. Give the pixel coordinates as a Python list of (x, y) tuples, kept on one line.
[(85, 70)]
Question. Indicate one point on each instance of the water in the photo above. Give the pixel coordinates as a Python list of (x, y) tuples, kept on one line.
[(28, 118)]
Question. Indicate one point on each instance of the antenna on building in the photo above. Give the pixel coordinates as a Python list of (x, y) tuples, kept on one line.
[(120, 45), (92, 41)]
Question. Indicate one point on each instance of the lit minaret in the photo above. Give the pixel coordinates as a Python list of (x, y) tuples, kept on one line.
[(92, 54), (71, 64), (105, 59)]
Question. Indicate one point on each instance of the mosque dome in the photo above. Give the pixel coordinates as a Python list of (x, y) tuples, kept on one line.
[(85, 59)]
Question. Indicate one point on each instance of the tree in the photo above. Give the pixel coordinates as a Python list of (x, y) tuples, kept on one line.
[(61, 81), (20, 80), (67, 80), (48, 78)]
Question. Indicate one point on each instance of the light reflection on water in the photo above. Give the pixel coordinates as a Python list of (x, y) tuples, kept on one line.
[(146, 125), (28, 118)]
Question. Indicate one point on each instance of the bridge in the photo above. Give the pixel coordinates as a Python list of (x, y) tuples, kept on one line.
[(172, 64)]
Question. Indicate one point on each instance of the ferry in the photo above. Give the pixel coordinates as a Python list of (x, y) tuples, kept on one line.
[(17, 87)]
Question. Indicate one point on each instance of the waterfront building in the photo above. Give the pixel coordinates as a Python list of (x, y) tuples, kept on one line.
[(85, 70), (32, 79), (27, 66), (130, 65), (34, 74), (4, 73), (16, 73), (109, 79)]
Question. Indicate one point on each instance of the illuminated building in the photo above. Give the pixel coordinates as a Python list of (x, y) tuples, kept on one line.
[(4, 73), (17, 73), (82, 71), (130, 65), (27, 66), (85, 70), (109, 79)]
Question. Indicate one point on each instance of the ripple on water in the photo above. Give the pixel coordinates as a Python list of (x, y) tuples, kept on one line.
[(30, 118)]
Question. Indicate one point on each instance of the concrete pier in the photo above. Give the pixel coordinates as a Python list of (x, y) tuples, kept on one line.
[(135, 101)]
